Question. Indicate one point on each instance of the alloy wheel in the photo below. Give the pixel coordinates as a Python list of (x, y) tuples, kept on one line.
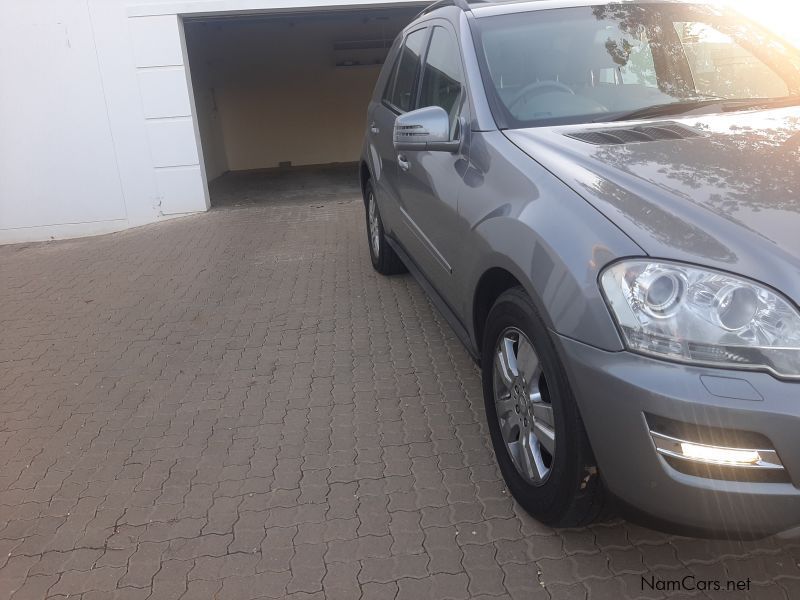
[(524, 411), (374, 226)]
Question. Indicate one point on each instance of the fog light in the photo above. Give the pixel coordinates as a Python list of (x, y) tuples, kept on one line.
[(714, 454), (749, 458)]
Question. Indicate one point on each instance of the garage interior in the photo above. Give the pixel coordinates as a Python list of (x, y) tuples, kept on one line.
[(281, 99)]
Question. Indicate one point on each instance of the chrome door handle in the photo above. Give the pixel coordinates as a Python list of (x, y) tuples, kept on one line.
[(403, 162), (374, 128)]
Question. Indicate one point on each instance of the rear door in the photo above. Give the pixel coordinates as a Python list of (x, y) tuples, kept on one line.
[(429, 181), (398, 97)]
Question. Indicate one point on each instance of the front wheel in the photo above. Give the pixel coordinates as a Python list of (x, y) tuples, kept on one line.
[(538, 436), (384, 259)]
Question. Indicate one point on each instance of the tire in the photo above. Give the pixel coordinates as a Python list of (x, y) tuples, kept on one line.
[(384, 259), (550, 470)]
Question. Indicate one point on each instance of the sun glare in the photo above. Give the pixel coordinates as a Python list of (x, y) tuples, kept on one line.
[(782, 16)]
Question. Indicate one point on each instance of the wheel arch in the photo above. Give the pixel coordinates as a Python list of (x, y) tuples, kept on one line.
[(557, 268), (364, 175), (491, 285)]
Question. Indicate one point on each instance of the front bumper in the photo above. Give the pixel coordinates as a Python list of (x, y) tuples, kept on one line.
[(621, 394)]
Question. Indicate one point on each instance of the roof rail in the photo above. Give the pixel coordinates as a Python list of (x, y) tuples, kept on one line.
[(462, 4)]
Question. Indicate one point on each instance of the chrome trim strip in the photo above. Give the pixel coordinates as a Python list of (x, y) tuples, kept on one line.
[(670, 446)]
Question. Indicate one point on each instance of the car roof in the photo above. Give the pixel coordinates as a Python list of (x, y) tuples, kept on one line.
[(485, 8)]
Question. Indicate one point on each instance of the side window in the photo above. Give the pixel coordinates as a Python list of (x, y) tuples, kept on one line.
[(443, 79), (402, 94), (721, 66), (389, 88)]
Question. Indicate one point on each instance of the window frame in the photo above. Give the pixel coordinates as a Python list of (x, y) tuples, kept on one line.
[(388, 93)]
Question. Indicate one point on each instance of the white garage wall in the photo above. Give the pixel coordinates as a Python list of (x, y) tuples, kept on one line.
[(208, 113), (97, 116), (57, 159), (74, 155)]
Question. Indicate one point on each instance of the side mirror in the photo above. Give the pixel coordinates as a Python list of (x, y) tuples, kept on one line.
[(424, 129)]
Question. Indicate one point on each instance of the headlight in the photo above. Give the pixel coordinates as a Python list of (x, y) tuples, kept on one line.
[(701, 316)]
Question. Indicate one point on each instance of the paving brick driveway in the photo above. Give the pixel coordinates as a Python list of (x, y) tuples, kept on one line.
[(234, 405)]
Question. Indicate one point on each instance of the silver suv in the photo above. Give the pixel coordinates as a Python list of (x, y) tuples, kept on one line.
[(604, 202)]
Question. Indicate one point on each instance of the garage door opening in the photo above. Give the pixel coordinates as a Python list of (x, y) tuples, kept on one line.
[(281, 99)]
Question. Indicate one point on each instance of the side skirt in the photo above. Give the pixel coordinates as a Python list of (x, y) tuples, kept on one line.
[(440, 303)]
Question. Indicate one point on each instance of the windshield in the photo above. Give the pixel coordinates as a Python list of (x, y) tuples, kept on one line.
[(573, 65)]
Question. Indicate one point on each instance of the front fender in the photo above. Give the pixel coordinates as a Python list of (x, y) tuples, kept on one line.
[(526, 221), (563, 287)]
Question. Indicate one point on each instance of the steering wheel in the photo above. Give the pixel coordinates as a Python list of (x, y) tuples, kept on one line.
[(539, 87)]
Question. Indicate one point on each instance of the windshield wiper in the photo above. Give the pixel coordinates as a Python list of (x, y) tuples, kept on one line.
[(660, 110), (684, 106), (747, 103)]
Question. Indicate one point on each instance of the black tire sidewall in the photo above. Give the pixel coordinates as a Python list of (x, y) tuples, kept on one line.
[(548, 501), (376, 260)]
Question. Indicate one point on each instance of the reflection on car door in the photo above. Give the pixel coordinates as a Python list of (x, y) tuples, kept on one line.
[(430, 183), (397, 97)]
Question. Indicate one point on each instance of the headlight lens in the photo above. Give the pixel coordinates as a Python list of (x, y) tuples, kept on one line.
[(701, 316)]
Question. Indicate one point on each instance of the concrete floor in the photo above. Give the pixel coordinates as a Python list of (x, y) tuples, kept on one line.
[(323, 183), (234, 405)]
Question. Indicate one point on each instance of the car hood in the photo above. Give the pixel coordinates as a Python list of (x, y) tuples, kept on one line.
[(728, 198)]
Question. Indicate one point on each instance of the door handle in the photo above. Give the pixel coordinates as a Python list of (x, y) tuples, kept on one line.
[(402, 161), (374, 129)]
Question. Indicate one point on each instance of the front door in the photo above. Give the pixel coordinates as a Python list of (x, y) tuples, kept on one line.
[(429, 182)]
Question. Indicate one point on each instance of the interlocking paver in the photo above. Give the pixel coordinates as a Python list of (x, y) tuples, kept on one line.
[(308, 568), (440, 586), (234, 405), (485, 574), (103, 579), (35, 587)]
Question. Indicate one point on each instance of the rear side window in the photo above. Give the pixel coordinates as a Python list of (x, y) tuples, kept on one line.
[(403, 90)]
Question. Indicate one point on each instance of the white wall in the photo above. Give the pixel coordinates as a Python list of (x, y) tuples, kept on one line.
[(57, 157), (97, 118), (208, 112)]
